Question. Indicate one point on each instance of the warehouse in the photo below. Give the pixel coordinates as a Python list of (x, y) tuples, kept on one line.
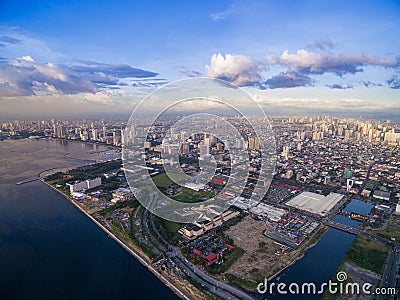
[(315, 203)]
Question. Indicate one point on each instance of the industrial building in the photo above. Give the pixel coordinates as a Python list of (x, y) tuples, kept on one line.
[(259, 209), (315, 203)]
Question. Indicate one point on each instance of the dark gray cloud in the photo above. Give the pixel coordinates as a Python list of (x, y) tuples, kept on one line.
[(288, 80), (339, 86), (394, 82), (25, 76), (321, 44)]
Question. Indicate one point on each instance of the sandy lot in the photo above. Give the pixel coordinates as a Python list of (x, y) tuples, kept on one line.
[(260, 260)]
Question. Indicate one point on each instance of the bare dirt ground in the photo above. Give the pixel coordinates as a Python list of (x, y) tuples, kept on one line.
[(360, 276), (260, 260)]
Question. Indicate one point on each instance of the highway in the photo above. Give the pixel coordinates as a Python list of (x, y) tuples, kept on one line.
[(389, 278), (221, 289)]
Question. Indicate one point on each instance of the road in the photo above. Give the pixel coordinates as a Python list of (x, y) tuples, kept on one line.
[(389, 278), (356, 231), (220, 288), (366, 180)]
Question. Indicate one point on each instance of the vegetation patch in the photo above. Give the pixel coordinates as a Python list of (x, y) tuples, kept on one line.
[(368, 254)]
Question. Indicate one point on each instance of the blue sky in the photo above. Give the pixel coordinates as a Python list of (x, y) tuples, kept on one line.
[(106, 53)]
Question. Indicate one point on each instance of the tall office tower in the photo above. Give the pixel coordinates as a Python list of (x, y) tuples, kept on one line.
[(94, 134), (315, 136), (184, 148), (123, 137), (60, 132), (349, 184), (285, 152), (204, 150), (84, 135), (254, 143), (183, 136), (115, 138), (207, 142), (132, 134), (104, 133)]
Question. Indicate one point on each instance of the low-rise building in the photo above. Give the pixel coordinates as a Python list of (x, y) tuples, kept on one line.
[(122, 194), (193, 230)]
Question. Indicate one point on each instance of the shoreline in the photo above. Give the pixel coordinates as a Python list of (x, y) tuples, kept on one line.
[(136, 255), (300, 257)]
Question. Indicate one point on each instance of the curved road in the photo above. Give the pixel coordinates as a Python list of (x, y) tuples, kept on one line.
[(221, 289)]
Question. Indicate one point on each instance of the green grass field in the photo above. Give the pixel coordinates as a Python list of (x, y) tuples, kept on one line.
[(162, 181), (191, 196), (368, 254), (392, 230)]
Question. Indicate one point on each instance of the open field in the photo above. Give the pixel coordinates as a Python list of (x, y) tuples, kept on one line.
[(259, 260), (390, 230), (162, 181), (367, 254)]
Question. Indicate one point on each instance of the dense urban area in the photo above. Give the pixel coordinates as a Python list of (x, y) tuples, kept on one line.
[(322, 164)]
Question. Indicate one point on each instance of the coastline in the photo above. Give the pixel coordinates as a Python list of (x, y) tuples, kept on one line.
[(136, 255)]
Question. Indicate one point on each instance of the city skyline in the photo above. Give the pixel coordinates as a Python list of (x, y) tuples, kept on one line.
[(80, 59)]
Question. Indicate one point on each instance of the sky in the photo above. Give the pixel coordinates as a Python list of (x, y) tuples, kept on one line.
[(67, 58)]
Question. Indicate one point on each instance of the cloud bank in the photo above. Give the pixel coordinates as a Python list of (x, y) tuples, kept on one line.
[(339, 64), (300, 66), (25, 76)]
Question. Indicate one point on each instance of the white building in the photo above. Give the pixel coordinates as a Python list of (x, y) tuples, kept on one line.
[(122, 194), (397, 212), (84, 185), (315, 203)]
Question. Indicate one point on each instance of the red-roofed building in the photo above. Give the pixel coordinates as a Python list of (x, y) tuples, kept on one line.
[(230, 248), (197, 252), (211, 258)]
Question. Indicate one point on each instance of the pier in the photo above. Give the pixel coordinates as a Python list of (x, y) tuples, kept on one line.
[(26, 181)]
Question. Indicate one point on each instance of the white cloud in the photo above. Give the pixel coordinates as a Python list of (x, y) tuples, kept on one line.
[(316, 63), (24, 76), (238, 69)]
